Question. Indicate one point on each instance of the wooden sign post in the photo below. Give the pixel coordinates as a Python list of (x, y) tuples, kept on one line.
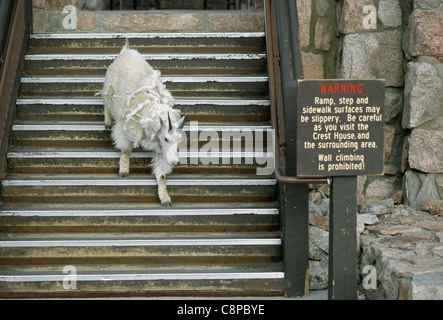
[(340, 134)]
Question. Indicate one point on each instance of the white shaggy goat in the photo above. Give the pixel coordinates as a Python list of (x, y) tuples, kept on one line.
[(136, 98)]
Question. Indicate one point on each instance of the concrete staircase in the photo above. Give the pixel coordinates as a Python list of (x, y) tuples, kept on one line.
[(70, 227)]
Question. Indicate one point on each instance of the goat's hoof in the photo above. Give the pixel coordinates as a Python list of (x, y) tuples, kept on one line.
[(124, 174), (108, 127), (167, 204)]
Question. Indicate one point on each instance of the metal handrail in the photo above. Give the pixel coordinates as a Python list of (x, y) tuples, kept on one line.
[(6, 9), (277, 114), (20, 25)]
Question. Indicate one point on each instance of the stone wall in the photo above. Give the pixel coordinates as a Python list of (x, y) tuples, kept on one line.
[(423, 109), (371, 37), (400, 41), (318, 40)]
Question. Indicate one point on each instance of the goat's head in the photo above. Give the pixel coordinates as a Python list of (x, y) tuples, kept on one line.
[(170, 137)]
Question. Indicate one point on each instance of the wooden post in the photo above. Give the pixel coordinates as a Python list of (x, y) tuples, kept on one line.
[(296, 240), (343, 239)]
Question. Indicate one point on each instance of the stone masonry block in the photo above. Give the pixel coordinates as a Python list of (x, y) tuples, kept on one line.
[(389, 13), (423, 92), (152, 22), (373, 56), (426, 286), (312, 65), (426, 33), (86, 21), (352, 16), (428, 4), (419, 188), (388, 140), (62, 3), (247, 22), (322, 7), (322, 38), (426, 150), (393, 103), (304, 8)]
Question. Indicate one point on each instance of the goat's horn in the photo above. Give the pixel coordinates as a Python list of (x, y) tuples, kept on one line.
[(183, 120), (169, 123)]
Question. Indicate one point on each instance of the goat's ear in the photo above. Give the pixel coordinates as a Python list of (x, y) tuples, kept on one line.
[(181, 122)]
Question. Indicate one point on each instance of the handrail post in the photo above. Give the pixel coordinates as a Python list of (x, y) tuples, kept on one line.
[(28, 15), (295, 222), (293, 190), (342, 271)]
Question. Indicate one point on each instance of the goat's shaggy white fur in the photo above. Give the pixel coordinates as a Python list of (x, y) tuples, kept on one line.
[(136, 98)]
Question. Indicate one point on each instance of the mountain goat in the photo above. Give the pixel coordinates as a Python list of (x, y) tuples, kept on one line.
[(136, 98)]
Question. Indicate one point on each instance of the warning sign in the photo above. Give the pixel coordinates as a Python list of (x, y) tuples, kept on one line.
[(340, 127)]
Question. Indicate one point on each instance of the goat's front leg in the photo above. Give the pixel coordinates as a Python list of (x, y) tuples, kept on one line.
[(160, 169), (165, 199), (124, 163)]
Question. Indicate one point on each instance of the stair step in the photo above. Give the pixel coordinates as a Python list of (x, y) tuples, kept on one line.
[(106, 180), (95, 134), (136, 275), (167, 239), (179, 86), (136, 188), (94, 126), (181, 248), (53, 160), (135, 218), (244, 42), (194, 63), (91, 109), (142, 281)]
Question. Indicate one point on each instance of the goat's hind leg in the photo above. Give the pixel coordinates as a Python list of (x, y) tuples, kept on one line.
[(125, 158), (121, 142), (108, 119), (108, 104)]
